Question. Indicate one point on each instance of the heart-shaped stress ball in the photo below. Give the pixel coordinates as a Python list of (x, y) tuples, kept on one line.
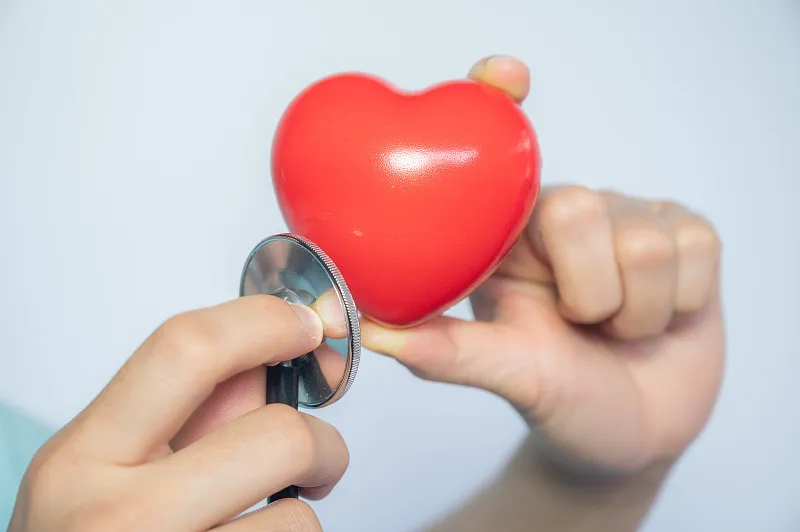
[(415, 196)]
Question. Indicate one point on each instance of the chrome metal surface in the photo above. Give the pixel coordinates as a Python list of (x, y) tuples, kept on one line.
[(296, 270)]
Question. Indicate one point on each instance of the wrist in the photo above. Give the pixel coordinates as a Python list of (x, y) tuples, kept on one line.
[(577, 496), (535, 460), (536, 493), (538, 451)]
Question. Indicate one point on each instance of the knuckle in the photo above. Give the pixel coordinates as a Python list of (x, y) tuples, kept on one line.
[(573, 208), (699, 237), (300, 517), (50, 476), (52, 471), (297, 436), (644, 248), (41, 461), (187, 338), (44, 478)]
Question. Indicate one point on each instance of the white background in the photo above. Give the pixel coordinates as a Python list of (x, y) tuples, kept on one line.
[(134, 179)]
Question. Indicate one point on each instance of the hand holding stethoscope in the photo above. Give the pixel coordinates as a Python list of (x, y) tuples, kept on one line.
[(142, 455)]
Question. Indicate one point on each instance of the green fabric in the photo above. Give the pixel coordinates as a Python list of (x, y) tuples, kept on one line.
[(20, 438)]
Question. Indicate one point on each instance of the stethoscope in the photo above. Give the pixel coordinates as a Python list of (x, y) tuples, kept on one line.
[(294, 269)]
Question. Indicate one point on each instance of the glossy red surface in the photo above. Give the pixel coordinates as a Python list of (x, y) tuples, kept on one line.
[(415, 196)]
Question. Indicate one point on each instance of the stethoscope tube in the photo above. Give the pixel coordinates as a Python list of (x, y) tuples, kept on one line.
[(283, 381)]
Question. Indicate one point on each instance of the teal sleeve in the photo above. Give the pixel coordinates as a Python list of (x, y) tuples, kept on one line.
[(20, 438)]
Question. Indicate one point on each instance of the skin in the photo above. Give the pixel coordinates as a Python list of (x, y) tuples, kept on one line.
[(608, 310), (126, 463), (609, 315)]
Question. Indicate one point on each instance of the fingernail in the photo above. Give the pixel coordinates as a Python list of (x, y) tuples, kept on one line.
[(329, 308), (502, 62), (381, 339), (311, 322), (504, 72)]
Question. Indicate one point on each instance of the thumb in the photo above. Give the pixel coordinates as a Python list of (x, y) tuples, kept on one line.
[(469, 353), (508, 74)]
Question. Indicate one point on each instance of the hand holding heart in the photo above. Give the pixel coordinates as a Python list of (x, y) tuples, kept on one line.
[(601, 321), (603, 326)]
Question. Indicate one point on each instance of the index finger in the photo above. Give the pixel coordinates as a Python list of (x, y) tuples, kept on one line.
[(244, 392), (180, 365)]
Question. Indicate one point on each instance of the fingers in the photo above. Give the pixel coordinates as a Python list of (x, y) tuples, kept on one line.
[(572, 230), (646, 254), (628, 264), (287, 515), (505, 73), (180, 365), (699, 250), (235, 467), (245, 392)]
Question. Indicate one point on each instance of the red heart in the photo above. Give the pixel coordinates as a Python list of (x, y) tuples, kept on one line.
[(415, 196)]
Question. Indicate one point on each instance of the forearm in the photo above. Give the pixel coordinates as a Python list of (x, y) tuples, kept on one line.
[(531, 494)]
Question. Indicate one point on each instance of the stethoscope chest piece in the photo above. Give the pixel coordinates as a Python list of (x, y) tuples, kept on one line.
[(293, 268)]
